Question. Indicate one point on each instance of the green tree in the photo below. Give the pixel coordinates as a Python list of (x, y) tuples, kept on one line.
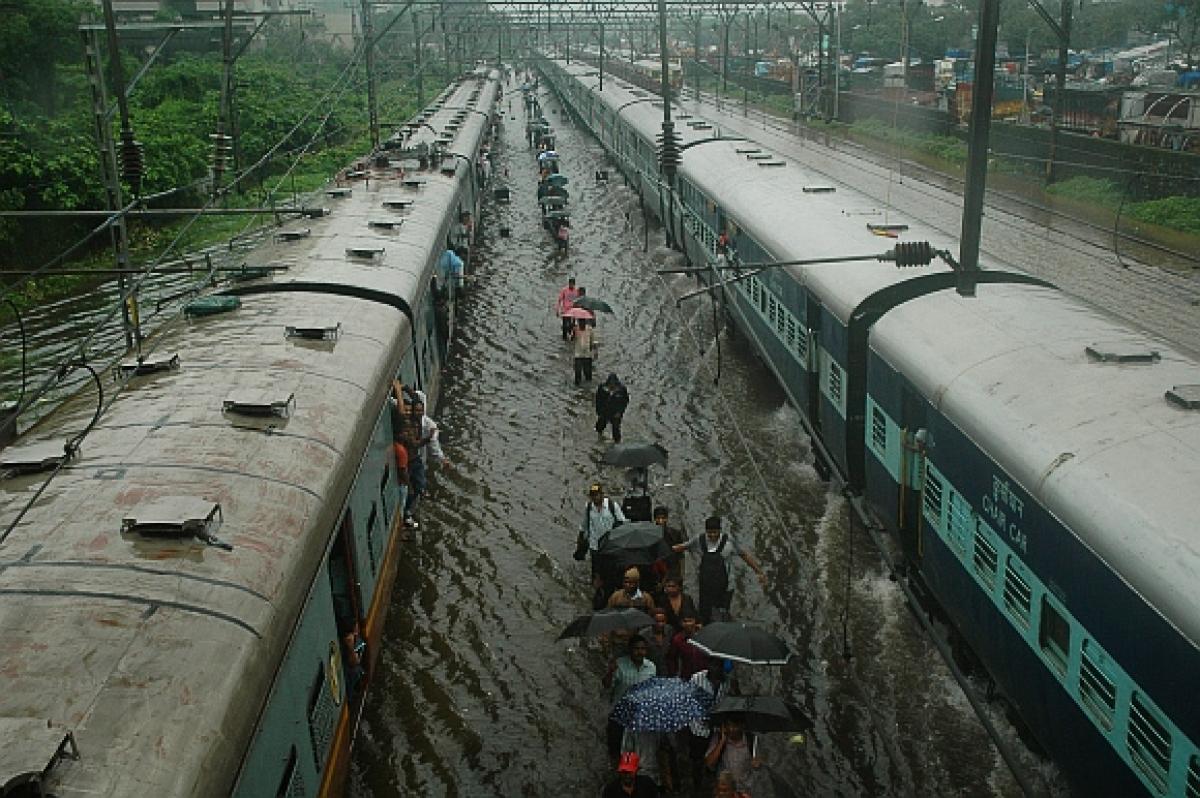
[(36, 37)]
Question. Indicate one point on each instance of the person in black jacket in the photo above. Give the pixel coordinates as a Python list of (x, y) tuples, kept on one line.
[(611, 400)]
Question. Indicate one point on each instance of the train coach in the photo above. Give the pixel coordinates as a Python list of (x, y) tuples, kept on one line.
[(1033, 457), (192, 604)]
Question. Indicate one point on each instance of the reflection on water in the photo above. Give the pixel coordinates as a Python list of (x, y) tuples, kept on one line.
[(475, 696)]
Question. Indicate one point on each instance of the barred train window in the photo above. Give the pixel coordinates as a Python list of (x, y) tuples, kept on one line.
[(1017, 595), (985, 559), (835, 383), (878, 429), (1054, 635), (958, 522), (1097, 689), (932, 497), (1193, 778), (372, 520), (1149, 743)]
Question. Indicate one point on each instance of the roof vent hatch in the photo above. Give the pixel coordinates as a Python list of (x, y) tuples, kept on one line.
[(177, 517)]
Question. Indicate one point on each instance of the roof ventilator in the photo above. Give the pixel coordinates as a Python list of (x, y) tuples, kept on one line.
[(145, 364), (819, 189), (260, 403), (292, 235), (33, 458), (314, 332), (356, 174), (31, 750), (700, 126), (759, 156), (339, 193), (365, 253), (746, 150), (1186, 396), (772, 163), (887, 228), (450, 168), (315, 213), (397, 204), (386, 224), (1122, 352), (412, 182), (177, 517)]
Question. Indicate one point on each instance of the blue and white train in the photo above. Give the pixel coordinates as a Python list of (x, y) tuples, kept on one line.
[(193, 604), (1035, 458)]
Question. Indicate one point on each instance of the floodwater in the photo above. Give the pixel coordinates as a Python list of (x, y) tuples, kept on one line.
[(476, 697)]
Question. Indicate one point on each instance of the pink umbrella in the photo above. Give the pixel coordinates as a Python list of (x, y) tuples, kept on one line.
[(578, 313)]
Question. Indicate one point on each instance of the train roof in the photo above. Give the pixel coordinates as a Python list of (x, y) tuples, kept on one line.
[(1095, 441), (156, 653), (789, 210)]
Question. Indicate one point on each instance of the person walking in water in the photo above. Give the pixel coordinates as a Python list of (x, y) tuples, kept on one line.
[(566, 298), (716, 549), (585, 350), (611, 400)]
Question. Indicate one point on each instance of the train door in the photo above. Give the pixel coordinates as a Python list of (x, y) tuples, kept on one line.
[(912, 470), (812, 329), (347, 608)]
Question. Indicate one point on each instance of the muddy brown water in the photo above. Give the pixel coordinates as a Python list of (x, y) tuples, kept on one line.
[(476, 697)]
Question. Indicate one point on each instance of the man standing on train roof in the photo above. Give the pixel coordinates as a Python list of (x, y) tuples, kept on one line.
[(716, 549), (611, 400), (566, 298)]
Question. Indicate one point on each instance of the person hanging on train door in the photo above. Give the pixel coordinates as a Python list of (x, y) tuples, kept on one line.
[(565, 301), (428, 448), (716, 548), (612, 398)]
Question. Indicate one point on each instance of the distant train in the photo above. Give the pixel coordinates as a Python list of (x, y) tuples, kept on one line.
[(194, 604), (1037, 460)]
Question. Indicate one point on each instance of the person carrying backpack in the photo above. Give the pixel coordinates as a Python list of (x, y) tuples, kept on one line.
[(600, 516), (716, 550)]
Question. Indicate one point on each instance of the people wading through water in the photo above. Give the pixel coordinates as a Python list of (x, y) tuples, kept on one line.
[(565, 301), (716, 549), (600, 515), (584, 347), (611, 400)]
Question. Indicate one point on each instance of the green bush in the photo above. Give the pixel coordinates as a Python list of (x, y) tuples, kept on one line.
[(1177, 213), (1093, 190)]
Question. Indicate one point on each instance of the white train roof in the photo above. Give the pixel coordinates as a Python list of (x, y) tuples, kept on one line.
[(771, 204), (1096, 442), (156, 652)]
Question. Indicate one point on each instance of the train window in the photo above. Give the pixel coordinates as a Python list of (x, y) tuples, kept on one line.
[(931, 499), (1149, 742), (878, 430), (383, 483), (790, 337), (1018, 597), (802, 347), (322, 713), (373, 538), (1097, 690), (1193, 778), (958, 523), (985, 559), (1054, 635), (835, 383), (291, 784)]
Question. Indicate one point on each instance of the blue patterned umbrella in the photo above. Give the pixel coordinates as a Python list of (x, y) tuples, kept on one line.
[(661, 705)]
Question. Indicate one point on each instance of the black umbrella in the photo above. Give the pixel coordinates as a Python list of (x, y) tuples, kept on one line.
[(604, 621), (763, 713), (635, 455), (593, 304), (637, 535), (741, 642)]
